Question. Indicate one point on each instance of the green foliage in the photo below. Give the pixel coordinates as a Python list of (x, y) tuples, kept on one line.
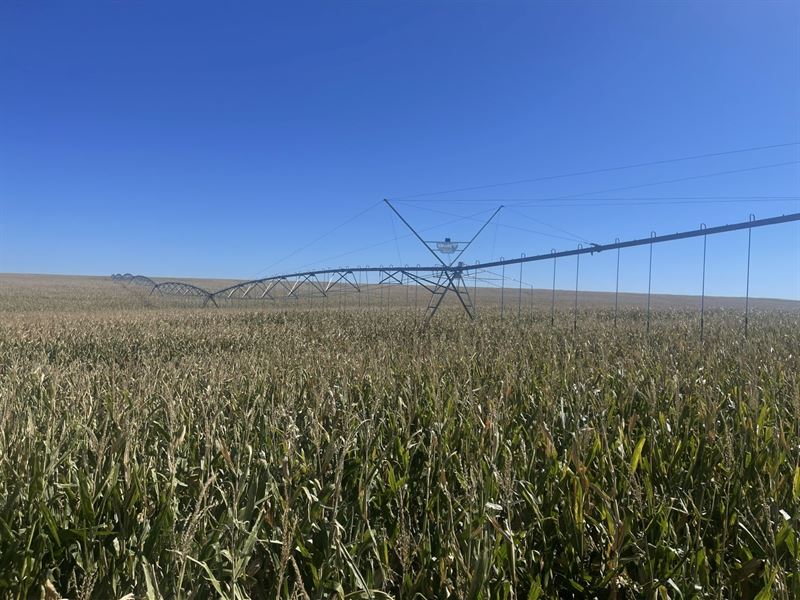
[(309, 454)]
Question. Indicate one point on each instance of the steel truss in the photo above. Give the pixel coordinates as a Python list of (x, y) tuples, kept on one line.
[(135, 279), (167, 288), (327, 281), (438, 280)]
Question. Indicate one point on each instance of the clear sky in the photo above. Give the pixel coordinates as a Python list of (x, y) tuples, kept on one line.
[(240, 139)]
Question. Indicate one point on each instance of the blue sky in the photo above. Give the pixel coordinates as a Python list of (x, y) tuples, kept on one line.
[(218, 140)]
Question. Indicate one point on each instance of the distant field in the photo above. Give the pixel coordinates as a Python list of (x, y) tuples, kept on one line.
[(308, 449), (19, 292)]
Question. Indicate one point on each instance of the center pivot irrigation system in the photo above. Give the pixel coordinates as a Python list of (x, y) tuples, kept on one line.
[(448, 274)]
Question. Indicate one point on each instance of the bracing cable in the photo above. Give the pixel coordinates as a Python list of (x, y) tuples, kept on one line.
[(597, 171)]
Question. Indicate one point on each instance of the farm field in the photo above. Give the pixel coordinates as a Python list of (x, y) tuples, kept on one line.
[(155, 448)]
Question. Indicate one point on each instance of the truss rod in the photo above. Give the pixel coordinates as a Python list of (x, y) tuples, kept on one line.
[(637, 242), (418, 236)]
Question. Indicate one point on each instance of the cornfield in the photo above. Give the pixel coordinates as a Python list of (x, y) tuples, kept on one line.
[(162, 452)]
